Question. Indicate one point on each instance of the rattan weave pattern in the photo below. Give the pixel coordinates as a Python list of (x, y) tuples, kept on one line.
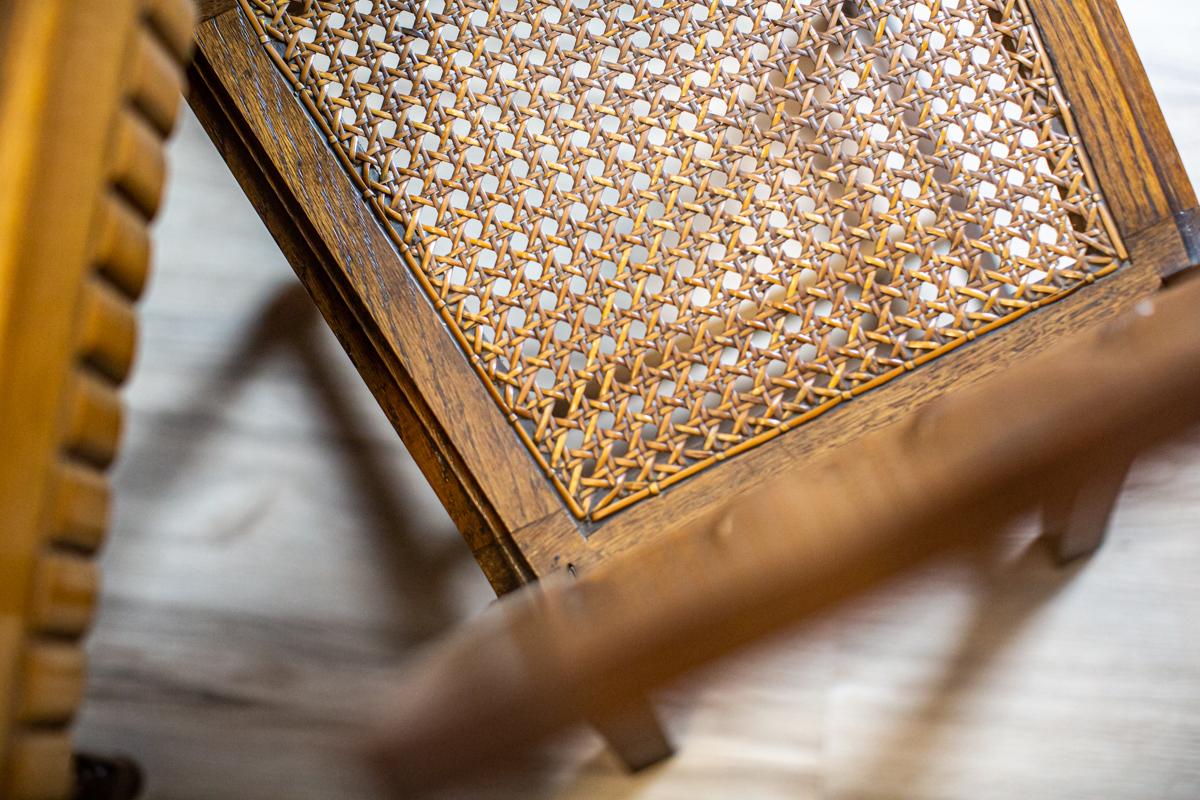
[(665, 232)]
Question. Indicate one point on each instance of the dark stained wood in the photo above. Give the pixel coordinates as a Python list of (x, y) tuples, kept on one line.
[(508, 511), (1115, 110), (341, 236), (549, 546), (950, 475), (337, 238), (213, 8), (1148, 116), (481, 471), (1188, 223), (455, 488), (1163, 245)]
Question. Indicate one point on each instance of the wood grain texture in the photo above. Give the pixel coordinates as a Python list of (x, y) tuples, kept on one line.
[(593, 367), (1060, 429), (1151, 125), (359, 262), (1114, 106), (409, 413), (524, 520), (551, 549), (87, 93), (212, 8), (254, 609)]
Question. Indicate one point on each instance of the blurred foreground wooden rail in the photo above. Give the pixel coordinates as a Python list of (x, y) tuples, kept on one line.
[(89, 93), (1052, 432)]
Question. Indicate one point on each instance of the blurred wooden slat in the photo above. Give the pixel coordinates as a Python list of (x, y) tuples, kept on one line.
[(1061, 428)]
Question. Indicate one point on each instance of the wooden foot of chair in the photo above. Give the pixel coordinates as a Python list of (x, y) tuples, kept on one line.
[(635, 735), (99, 778), (1076, 519)]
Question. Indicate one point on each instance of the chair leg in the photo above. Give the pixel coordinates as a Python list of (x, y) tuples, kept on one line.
[(635, 735), (98, 778), (1076, 519)]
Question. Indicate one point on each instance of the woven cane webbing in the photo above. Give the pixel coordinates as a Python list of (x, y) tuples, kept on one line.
[(665, 232)]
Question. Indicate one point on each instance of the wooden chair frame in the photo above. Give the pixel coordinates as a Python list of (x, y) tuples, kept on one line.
[(510, 515), (515, 523), (950, 476), (123, 95)]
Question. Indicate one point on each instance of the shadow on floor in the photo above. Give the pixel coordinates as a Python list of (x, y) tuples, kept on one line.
[(419, 566)]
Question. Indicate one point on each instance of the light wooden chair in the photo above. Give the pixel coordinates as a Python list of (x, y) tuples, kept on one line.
[(607, 265), (88, 91)]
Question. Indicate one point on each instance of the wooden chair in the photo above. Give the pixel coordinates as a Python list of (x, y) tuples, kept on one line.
[(608, 265), (88, 91), (955, 472)]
